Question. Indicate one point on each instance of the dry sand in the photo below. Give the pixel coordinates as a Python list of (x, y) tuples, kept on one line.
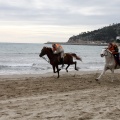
[(74, 96)]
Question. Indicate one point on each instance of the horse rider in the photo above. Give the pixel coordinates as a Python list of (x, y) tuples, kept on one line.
[(57, 48), (113, 48)]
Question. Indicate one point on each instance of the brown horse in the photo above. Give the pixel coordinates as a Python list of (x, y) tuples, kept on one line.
[(55, 59)]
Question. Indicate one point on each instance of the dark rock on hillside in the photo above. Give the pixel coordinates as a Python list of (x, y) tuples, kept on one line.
[(103, 35)]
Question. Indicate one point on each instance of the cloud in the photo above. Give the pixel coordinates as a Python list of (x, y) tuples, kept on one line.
[(60, 18), (59, 12)]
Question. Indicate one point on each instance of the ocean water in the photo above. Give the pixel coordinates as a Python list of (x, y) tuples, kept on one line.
[(20, 58)]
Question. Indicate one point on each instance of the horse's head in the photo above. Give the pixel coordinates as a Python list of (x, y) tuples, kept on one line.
[(105, 52), (45, 51)]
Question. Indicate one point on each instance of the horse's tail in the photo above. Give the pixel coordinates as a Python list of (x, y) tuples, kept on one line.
[(76, 57)]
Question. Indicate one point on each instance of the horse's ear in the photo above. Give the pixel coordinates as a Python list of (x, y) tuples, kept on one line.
[(44, 47)]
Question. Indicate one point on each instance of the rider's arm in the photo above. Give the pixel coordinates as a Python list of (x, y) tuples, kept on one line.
[(57, 51), (109, 51), (54, 52)]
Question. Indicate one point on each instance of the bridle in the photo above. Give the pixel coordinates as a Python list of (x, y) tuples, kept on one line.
[(46, 59)]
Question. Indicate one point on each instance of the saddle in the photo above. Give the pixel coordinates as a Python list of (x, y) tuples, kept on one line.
[(59, 57)]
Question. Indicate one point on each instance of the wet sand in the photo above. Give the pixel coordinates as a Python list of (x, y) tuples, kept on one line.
[(74, 96)]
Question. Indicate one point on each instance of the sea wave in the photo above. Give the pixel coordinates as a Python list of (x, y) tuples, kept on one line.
[(24, 58)]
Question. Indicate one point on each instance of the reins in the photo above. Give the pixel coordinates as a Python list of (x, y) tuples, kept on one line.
[(46, 59)]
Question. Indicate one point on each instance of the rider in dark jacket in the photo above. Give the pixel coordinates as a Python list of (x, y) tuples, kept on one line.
[(115, 51)]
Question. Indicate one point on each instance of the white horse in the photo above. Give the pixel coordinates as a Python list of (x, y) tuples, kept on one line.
[(110, 63)]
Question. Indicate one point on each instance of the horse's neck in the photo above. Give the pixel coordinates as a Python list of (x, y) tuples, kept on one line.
[(110, 59), (50, 55)]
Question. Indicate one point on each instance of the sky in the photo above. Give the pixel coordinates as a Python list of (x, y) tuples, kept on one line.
[(40, 21)]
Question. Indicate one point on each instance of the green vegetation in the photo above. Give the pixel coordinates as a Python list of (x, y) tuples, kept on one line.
[(103, 35)]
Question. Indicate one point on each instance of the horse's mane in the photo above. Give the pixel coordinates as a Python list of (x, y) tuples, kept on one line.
[(49, 49)]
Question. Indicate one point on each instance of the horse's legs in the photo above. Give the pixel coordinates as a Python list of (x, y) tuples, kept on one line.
[(75, 65), (112, 75), (103, 72), (58, 70), (53, 69), (67, 67)]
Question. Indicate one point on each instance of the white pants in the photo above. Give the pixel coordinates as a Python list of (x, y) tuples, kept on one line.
[(62, 54)]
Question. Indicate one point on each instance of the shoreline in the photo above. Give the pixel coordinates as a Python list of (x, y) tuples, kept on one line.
[(66, 43), (51, 74)]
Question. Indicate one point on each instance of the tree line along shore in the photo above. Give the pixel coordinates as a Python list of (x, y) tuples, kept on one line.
[(99, 37)]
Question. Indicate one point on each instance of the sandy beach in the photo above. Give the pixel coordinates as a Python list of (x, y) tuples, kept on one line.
[(74, 96)]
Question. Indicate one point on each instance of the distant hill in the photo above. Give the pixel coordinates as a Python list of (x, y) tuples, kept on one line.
[(103, 35)]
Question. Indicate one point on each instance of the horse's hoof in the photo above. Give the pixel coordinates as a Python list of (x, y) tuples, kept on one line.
[(76, 69), (96, 79)]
